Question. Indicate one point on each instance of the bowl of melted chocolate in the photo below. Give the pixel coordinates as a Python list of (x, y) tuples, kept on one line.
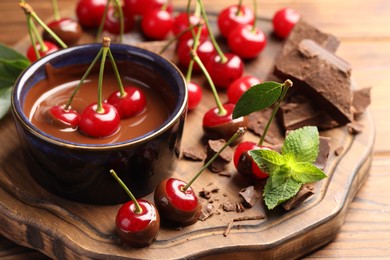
[(74, 165)]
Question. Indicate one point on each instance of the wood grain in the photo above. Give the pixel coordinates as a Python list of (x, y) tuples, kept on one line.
[(362, 26)]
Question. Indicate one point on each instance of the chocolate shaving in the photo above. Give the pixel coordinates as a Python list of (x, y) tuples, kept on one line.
[(207, 211), (194, 154), (224, 157), (306, 191), (244, 218), (249, 196)]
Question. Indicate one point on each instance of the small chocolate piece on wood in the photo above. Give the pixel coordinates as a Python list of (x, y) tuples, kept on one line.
[(320, 75), (249, 196), (323, 153), (224, 157), (361, 100), (194, 154), (306, 191)]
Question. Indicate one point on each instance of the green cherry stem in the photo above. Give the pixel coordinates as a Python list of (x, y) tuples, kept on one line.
[(67, 105), (55, 10), (106, 48), (194, 47), (239, 8), (138, 209), (117, 75), (285, 86), (30, 25), (255, 14), (100, 29), (238, 133), (211, 34), (121, 20)]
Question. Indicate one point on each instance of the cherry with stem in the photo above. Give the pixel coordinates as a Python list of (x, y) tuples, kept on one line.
[(175, 199), (119, 10), (137, 221)]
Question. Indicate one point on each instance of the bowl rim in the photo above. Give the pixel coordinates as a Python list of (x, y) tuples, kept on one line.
[(179, 110)]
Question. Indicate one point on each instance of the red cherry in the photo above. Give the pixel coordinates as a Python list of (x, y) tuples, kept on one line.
[(137, 229), (90, 12), (205, 51), (97, 124), (246, 41), (175, 205), (223, 74), (133, 103), (284, 21), (64, 117), (232, 16), (239, 86), (217, 126), (181, 23), (51, 47), (244, 163), (112, 23), (195, 95), (141, 7), (157, 24), (67, 29)]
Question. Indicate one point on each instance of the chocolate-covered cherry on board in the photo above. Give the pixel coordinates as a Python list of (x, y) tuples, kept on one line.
[(175, 199), (137, 222)]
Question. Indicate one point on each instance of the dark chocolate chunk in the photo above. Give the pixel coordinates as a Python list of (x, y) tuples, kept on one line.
[(323, 153), (320, 75), (355, 127), (306, 191), (207, 211), (361, 100), (224, 157), (194, 154), (249, 196)]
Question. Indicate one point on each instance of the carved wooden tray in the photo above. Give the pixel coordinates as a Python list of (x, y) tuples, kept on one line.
[(35, 218)]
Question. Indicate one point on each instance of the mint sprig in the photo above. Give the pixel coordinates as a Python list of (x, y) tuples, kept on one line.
[(12, 63), (292, 168)]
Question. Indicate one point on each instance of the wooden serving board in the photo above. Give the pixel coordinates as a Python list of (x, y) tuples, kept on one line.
[(35, 218)]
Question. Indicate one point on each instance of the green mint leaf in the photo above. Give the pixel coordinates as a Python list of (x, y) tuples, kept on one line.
[(268, 160), (5, 100), (280, 191), (257, 97), (8, 53), (304, 172), (12, 68), (303, 143)]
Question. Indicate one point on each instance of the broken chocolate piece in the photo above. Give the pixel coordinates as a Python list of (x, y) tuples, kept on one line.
[(361, 100), (320, 75), (355, 127), (194, 154), (207, 211), (206, 193), (249, 196), (228, 206), (306, 191), (224, 157), (323, 153)]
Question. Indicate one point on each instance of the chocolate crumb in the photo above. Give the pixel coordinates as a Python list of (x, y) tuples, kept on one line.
[(194, 154), (224, 157), (228, 206), (207, 211), (306, 191), (339, 151), (249, 196), (239, 207)]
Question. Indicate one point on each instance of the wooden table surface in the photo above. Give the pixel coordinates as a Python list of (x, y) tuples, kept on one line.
[(363, 28)]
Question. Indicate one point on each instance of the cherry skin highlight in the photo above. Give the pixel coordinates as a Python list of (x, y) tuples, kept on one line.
[(90, 12), (97, 124), (67, 29), (132, 104), (246, 41), (232, 16), (157, 24), (204, 51), (224, 73), (65, 117), (112, 23), (195, 95), (181, 23)]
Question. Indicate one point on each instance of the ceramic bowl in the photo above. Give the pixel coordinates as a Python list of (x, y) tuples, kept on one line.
[(79, 171)]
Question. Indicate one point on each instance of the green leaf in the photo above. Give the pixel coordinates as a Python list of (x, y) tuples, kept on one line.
[(257, 97), (276, 193), (5, 100), (12, 68), (304, 172), (8, 53), (268, 160), (303, 143)]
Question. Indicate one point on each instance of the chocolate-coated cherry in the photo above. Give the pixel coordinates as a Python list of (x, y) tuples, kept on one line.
[(232, 16), (182, 22), (176, 201), (217, 126), (64, 117), (131, 103), (239, 86), (195, 95), (90, 12), (156, 24), (223, 73), (99, 123), (283, 21), (247, 41), (205, 51), (68, 29), (137, 221), (49, 48), (244, 163), (112, 21)]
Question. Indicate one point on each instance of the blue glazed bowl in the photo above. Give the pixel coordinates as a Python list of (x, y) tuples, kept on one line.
[(80, 172)]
